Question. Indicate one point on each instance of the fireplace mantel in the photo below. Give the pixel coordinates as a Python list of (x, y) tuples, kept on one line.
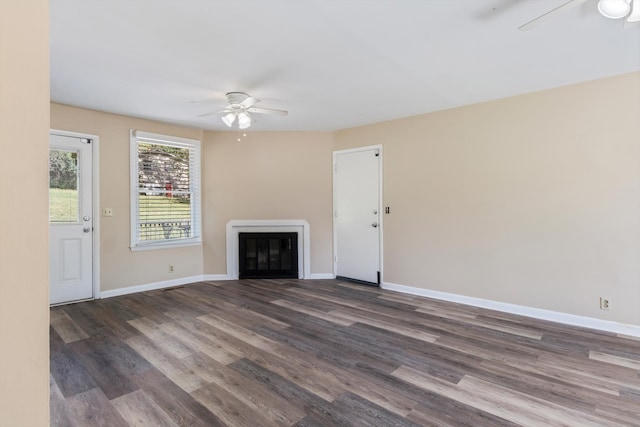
[(299, 226)]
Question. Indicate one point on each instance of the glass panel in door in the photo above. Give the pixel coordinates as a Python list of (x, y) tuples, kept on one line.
[(63, 186)]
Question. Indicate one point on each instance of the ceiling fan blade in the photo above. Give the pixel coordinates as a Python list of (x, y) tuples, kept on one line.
[(267, 111), (540, 19), (215, 112), (249, 102), (634, 16)]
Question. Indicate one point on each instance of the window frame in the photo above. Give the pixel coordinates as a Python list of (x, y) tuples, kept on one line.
[(195, 187)]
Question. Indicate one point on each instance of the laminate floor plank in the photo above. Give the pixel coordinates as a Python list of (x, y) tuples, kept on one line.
[(275, 359), (256, 396), (455, 414), (352, 410), (239, 332), (530, 407), (171, 366), (69, 374), (318, 304), (171, 344), (147, 307), (114, 318), (201, 342), (436, 408), (615, 360), (92, 409), (110, 362), (506, 327), (338, 345), (84, 314), (311, 295), (229, 409), (297, 396), (387, 325), (180, 406), (289, 352), (246, 317), (500, 401), (353, 382), (185, 303), (598, 372), (58, 411), (474, 345), (596, 391), (138, 409), (540, 386), (66, 327), (329, 317)]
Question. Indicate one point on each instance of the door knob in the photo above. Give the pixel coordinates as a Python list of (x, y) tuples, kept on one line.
[(86, 229), (374, 225)]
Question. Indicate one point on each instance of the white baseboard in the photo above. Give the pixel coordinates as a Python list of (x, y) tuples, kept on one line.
[(321, 276), (150, 286), (537, 313), (183, 281), (215, 277)]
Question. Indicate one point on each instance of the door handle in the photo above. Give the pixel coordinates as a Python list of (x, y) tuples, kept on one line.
[(374, 225), (86, 229)]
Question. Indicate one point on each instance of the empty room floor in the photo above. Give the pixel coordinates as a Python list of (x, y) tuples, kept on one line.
[(329, 353)]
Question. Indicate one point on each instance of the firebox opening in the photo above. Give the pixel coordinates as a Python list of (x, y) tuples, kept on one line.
[(268, 255)]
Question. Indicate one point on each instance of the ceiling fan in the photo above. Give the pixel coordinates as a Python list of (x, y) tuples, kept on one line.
[(613, 9), (239, 108)]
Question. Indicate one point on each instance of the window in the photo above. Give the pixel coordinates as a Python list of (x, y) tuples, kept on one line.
[(165, 191)]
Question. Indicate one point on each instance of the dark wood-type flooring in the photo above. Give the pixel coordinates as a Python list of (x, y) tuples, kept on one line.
[(329, 353)]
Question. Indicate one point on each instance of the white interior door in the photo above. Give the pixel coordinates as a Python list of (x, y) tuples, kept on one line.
[(357, 214), (70, 219)]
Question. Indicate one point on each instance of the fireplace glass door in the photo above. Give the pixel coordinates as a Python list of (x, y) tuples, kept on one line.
[(268, 255)]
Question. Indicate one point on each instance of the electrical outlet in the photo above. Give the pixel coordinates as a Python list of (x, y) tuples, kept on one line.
[(605, 303), (171, 269), (107, 211)]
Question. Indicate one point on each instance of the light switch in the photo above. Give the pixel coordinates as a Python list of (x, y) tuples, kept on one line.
[(107, 211)]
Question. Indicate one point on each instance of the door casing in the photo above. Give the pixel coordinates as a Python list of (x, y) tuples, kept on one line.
[(95, 208), (380, 207)]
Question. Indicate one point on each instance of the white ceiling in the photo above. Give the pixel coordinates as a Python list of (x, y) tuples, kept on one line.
[(333, 64)]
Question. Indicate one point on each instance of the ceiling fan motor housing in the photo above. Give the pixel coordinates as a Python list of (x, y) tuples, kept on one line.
[(236, 98)]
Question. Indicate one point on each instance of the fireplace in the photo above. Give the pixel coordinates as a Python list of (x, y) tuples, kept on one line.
[(237, 226), (267, 255)]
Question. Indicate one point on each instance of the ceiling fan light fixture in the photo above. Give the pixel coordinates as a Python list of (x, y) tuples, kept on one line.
[(244, 120), (228, 119), (614, 9)]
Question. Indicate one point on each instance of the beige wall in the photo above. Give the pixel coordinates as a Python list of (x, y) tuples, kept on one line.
[(24, 222), (119, 266), (268, 175), (531, 200)]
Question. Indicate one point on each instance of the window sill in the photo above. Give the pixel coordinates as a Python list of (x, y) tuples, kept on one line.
[(166, 245)]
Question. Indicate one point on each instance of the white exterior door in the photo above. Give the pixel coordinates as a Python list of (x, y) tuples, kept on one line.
[(357, 227), (70, 219)]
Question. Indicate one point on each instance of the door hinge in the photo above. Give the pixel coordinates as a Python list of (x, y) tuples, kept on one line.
[(86, 140)]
